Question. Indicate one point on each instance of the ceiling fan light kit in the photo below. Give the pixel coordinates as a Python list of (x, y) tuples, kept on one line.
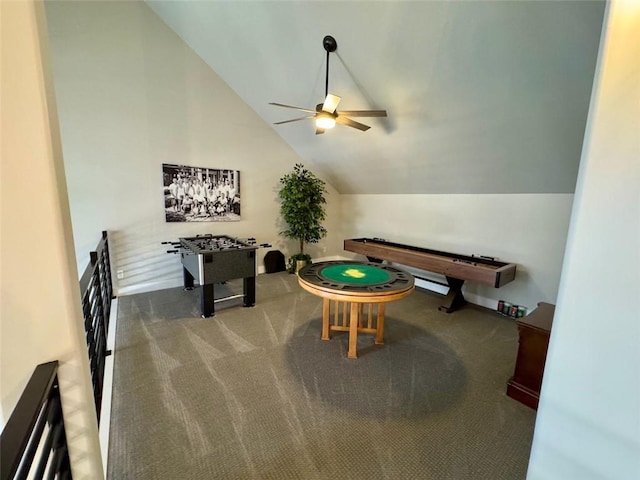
[(325, 120), (326, 114)]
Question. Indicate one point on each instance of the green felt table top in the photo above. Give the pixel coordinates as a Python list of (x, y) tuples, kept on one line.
[(355, 274)]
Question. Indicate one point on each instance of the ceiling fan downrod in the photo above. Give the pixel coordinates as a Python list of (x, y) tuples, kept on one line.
[(330, 45)]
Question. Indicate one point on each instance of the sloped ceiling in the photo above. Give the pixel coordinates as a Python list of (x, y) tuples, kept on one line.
[(482, 97)]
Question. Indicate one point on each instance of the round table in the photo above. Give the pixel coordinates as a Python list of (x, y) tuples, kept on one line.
[(350, 286)]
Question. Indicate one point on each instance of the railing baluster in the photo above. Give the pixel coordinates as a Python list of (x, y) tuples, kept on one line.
[(96, 290)]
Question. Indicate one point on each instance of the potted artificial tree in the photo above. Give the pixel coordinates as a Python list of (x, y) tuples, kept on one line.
[(302, 208)]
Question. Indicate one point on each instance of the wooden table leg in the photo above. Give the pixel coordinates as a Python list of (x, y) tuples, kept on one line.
[(380, 325), (353, 331), (325, 319)]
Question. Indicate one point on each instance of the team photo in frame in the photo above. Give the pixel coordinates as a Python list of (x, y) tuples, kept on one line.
[(200, 194)]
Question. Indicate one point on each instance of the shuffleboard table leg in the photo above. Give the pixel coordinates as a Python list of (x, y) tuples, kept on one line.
[(374, 259), (454, 298)]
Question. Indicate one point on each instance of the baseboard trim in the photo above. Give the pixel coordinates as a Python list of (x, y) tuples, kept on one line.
[(422, 281), (177, 281)]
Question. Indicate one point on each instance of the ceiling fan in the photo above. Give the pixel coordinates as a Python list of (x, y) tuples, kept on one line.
[(326, 114)]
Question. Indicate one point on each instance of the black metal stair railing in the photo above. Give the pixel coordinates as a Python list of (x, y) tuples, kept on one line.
[(33, 442), (96, 290)]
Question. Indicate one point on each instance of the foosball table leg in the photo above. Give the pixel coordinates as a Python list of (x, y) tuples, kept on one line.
[(187, 279), (207, 301), (249, 287)]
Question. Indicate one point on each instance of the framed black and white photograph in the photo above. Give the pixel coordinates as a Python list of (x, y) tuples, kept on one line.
[(198, 194)]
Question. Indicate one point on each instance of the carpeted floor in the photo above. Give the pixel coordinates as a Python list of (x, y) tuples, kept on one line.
[(253, 393)]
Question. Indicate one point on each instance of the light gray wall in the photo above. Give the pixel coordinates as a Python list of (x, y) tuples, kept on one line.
[(482, 96), (588, 423), (133, 96)]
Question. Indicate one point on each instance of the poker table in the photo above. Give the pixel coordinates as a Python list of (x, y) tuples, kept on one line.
[(354, 295)]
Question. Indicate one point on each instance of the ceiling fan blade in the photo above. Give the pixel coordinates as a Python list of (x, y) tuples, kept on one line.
[(291, 106), (331, 103), (293, 120), (319, 131), (351, 123), (364, 113)]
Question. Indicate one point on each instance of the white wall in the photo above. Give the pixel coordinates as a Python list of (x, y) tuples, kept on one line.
[(529, 230), (133, 96), (588, 423), (40, 314)]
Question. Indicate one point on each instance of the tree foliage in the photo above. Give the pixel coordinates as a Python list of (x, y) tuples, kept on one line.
[(302, 206)]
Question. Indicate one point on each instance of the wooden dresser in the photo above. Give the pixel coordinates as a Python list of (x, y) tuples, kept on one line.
[(534, 330)]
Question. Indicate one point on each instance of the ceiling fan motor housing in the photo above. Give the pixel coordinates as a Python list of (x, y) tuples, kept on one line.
[(320, 109)]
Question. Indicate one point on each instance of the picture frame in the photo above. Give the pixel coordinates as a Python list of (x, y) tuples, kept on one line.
[(200, 194)]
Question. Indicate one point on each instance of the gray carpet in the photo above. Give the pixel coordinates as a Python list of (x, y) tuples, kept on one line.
[(253, 393)]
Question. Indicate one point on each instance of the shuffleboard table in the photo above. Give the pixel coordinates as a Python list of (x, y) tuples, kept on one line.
[(455, 267), (346, 287)]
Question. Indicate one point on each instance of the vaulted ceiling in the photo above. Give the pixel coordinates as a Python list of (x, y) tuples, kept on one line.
[(482, 97)]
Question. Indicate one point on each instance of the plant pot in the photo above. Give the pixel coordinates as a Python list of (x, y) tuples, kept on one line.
[(300, 264)]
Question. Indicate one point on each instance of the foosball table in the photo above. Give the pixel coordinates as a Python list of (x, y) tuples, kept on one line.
[(211, 259)]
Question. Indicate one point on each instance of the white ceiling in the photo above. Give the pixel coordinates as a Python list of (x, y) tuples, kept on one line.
[(482, 97)]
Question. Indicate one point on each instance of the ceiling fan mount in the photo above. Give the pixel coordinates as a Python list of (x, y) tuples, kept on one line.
[(329, 43), (326, 114)]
